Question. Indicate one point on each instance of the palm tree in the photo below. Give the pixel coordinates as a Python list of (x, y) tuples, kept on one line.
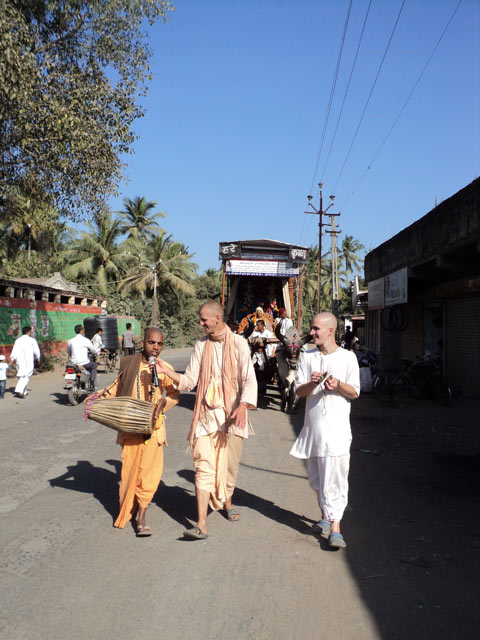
[(138, 220), (97, 252), (161, 264), (350, 247), (310, 285)]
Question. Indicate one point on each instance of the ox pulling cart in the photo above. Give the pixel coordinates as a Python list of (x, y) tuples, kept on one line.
[(267, 274)]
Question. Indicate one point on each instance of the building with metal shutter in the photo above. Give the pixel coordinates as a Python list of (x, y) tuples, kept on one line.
[(424, 291)]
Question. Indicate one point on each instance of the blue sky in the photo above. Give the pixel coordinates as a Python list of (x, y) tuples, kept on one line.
[(236, 109)]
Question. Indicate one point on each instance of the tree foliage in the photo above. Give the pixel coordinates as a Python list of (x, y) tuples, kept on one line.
[(72, 72), (139, 221), (97, 253)]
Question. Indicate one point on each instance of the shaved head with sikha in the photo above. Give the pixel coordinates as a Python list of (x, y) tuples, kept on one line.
[(323, 329), (327, 318), (213, 308)]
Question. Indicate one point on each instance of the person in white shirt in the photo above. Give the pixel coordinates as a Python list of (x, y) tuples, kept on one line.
[(3, 375), (283, 321), (25, 351), (78, 348), (97, 340), (262, 352), (329, 379)]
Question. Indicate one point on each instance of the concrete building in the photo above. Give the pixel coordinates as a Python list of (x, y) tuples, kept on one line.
[(424, 291)]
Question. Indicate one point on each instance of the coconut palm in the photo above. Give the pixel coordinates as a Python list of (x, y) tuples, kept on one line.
[(97, 252), (310, 286), (161, 264), (349, 255), (137, 218)]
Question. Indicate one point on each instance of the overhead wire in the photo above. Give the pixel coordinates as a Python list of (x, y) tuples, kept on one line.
[(405, 103), (332, 92), (346, 91), (369, 96), (329, 105)]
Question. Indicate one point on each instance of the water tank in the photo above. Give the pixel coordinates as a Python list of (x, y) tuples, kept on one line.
[(110, 330)]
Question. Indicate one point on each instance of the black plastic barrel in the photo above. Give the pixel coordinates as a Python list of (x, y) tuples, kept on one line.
[(110, 330)]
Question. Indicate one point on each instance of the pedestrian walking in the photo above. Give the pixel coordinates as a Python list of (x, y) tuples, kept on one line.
[(142, 456), (328, 377), (128, 340), (222, 368), (3, 375), (24, 353)]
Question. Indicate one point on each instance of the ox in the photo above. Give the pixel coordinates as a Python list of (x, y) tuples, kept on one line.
[(287, 356)]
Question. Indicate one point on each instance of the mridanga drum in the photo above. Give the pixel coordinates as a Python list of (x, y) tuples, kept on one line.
[(124, 414)]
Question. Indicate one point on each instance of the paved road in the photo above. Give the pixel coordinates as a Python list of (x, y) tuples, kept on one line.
[(67, 573)]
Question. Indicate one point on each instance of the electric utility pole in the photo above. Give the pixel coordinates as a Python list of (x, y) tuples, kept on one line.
[(319, 212), (334, 233)]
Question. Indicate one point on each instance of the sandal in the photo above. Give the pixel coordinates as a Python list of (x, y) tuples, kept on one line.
[(143, 531), (231, 514), (195, 534)]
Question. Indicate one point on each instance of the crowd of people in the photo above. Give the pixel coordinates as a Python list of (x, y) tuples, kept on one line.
[(222, 368)]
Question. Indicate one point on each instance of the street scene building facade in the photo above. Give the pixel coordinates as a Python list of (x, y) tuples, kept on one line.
[(424, 291), (52, 307)]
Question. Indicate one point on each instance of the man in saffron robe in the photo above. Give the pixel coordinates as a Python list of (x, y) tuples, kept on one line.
[(142, 456), (221, 366)]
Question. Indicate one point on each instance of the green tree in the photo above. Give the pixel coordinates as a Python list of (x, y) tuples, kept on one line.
[(72, 74), (349, 255), (138, 219), (97, 254), (161, 265)]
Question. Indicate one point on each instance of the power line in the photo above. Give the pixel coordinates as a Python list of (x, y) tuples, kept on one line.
[(332, 92), (370, 95), (405, 103), (346, 90), (329, 105)]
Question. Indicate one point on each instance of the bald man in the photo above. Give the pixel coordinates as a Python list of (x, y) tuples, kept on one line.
[(328, 377), (142, 456), (222, 368)]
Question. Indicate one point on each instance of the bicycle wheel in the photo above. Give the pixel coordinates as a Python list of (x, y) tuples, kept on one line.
[(390, 388), (443, 393)]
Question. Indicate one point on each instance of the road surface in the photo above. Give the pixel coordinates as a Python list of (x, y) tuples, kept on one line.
[(67, 573)]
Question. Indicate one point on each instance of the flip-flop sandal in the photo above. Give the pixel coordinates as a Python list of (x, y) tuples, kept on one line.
[(143, 531), (195, 534), (230, 515)]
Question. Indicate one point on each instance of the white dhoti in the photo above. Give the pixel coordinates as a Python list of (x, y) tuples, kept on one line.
[(24, 352), (328, 477), (22, 384)]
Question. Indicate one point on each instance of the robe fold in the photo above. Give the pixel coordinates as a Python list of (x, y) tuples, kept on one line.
[(142, 458)]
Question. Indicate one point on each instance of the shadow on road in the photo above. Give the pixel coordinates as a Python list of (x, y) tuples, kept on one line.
[(60, 398), (266, 508), (412, 525), (86, 478), (177, 503)]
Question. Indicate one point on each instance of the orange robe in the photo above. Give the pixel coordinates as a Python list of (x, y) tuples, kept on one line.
[(142, 459)]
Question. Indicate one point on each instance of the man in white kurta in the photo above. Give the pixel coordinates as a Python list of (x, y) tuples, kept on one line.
[(217, 438), (328, 377), (24, 352)]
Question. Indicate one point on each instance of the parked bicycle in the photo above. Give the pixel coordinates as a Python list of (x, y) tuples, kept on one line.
[(420, 378)]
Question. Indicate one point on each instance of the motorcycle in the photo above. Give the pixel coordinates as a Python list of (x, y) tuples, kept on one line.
[(76, 382)]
